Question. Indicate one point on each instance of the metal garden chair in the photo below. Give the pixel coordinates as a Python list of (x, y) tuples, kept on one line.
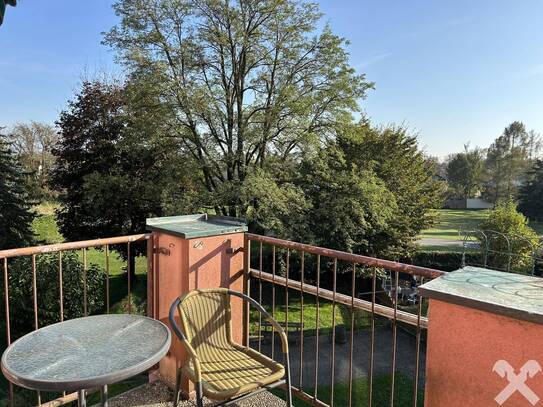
[(221, 369)]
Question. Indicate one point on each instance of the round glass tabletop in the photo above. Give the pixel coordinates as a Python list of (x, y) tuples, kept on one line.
[(86, 352)]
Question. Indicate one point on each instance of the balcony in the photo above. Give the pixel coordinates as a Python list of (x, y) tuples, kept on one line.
[(357, 326)]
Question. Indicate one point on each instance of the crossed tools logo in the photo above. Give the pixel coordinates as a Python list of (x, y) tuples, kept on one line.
[(517, 382)]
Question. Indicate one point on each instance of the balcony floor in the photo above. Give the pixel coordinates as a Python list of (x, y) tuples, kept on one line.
[(159, 395)]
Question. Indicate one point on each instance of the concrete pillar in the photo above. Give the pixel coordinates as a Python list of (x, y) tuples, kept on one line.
[(485, 339), (194, 252)]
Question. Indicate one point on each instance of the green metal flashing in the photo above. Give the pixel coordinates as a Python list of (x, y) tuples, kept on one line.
[(194, 226), (513, 295)]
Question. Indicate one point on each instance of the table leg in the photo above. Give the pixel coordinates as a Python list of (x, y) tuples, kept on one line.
[(82, 401), (103, 396)]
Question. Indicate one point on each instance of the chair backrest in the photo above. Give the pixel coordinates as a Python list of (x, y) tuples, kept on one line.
[(206, 320)]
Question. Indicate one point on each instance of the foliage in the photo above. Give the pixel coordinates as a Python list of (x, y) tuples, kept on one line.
[(48, 288), (243, 83), (33, 143), (276, 208), (351, 209), (445, 260), (515, 250), (508, 159), (15, 214), (111, 169), (3, 4), (531, 193), (465, 172), (381, 389), (392, 155)]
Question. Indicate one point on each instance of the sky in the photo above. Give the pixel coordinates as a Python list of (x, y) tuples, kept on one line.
[(451, 71)]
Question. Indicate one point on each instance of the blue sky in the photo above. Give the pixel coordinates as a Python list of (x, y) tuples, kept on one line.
[(453, 71)]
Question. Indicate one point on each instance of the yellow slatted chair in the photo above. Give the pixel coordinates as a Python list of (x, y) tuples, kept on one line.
[(221, 369)]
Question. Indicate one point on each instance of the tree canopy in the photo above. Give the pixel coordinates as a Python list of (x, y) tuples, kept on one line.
[(111, 171), (508, 159), (15, 213), (244, 82), (465, 172), (512, 248), (33, 143)]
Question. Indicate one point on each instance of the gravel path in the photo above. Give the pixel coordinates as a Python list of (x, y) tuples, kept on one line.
[(159, 395)]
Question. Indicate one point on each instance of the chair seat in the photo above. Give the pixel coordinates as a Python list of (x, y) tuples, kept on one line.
[(232, 370)]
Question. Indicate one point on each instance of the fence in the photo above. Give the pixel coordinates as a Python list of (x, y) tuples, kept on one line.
[(277, 256), (8, 255)]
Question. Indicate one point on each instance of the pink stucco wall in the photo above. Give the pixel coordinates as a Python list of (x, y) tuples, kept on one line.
[(192, 264), (462, 347)]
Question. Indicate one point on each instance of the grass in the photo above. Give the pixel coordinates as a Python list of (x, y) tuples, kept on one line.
[(45, 226), (450, 221), (342, 312), (403, 392)]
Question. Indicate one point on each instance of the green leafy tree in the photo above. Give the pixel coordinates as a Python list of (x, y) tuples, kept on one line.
[(515, 250), (351, 208), (508, 159), (370, 191), (396, 159), (531, 193), (15, 213), (244, 82), (465, 172), (111, 169)]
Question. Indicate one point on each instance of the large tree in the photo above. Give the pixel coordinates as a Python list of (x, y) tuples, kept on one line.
[(111, 169), (393, 154), (33, 143), (465, 172), (15, 214), (508, 159), (244, 81)]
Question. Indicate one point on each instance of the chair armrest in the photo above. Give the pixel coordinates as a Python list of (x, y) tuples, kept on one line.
[(266, 314), (190, 350)]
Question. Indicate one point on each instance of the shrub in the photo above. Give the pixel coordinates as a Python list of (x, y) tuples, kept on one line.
[(445, 261), (48, 290), (512, 226)]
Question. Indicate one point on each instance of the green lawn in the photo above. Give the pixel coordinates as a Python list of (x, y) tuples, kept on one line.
[(449, 222), (403, 392), (342, 313)]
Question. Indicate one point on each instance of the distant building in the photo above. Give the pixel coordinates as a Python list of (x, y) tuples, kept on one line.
[(472, 203)]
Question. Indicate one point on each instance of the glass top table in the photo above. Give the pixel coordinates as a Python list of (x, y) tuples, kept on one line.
[(85, 353)]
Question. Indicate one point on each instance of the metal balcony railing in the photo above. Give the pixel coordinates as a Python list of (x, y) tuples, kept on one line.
[(359, 283), (275, 271), (7, 256)]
